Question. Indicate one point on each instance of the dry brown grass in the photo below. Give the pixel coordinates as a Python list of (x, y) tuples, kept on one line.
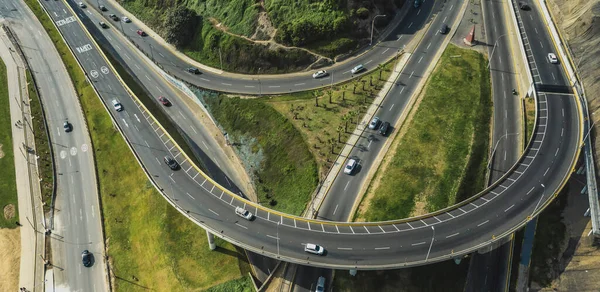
[(10, 257)]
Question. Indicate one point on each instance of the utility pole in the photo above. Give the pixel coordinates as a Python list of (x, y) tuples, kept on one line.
[(373, 26)]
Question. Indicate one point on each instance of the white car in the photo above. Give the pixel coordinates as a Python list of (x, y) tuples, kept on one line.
[(314, 249), (320, 74), (320, 285), (243, 213), (82, 5), (350, 166), (117, 105), (125, 19), (552, 58), (374, 123), (357, 69)]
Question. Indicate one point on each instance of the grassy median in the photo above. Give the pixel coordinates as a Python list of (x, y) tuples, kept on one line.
[(146, 238), (440, 155), (8, 187), (529, 118)]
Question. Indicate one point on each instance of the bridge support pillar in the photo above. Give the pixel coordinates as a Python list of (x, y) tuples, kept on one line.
[(211, 240), (353, 272)]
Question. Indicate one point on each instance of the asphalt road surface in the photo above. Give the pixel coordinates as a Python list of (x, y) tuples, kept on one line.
[(77, 218), (521, 193)]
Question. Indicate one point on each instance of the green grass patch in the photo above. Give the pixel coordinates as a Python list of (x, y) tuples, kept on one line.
[(443, 155), (275, 155), (441, 277), (549, 236), (146, 237), (8, 186), (243, 284), (327, 127), (41, 144), (529, 118)]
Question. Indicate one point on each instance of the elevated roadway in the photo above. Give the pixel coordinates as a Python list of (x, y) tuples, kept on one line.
[(505, 206)]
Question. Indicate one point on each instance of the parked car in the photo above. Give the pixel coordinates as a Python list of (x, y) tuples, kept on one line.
[(444, 29), (102, 8), (357, 69), (141, 32), (320, 74), (125, 19), (320, 284), (67, 126), (87, 258), (103, 25), (552, 58), (172, 163), (243, 213), (82, 5), (523, 5), (114, 17), (164, 101), (385, 128), (117, 105), (350, 166), (314, 249), (374, 123), (193, 70)]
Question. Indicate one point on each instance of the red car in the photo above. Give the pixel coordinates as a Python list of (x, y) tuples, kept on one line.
[(164, 101), (141, 32)]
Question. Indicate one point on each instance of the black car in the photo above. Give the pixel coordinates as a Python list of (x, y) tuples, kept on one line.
[(524, 6), (193, 70), (444, 29), (114, 17), (103, 8), (67, 126), (384, 129), (87, 258), (103, 24), (171, 163)]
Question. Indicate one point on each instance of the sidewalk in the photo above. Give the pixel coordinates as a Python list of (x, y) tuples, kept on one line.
[(28, 188)]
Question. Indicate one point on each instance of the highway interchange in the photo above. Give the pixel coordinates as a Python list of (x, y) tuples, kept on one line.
[(368, 246)]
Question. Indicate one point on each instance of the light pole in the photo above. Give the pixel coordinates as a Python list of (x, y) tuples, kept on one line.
[(495, 44), (277, 239), (373, 26), (221, 58), (259, 89), (587, 134), (431, 244), (538, 203), (497, 142)]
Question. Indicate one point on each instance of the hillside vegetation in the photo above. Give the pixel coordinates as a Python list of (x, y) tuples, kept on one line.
[(275, 35)]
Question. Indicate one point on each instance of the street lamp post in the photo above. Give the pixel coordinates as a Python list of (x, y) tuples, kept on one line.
[(497, 142), (431, 244), (373, 26), (277, 239), (259, 89), (495, 44)]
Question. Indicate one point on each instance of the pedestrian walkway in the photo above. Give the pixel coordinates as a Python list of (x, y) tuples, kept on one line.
[(28, 187)]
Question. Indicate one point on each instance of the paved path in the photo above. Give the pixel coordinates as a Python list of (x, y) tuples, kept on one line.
[(29, 196)]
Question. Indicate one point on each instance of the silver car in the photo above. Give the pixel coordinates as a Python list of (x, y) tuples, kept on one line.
[(374, 123), (243, 213), (357, 69), (314, 249)]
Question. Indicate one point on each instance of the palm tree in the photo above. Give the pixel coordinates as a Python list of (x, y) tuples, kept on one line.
[(345, 119), (316, 94), (330, 94), (332, 144), (339, 131), (355, 82), (344, 87), (380, 67)]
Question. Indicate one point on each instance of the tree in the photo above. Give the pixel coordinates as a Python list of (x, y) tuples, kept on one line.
[(345, 119), (330, 95), (380, 67), (316, 94), (344, 87), (339, 131), (180, 25), (363, 83), (332, 143), (355, 83), (371, 80)]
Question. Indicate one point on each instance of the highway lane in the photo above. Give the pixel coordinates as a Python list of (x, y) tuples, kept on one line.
[(366, 246), (273, 84), (488, 269), (345, 189), (76, 223)]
